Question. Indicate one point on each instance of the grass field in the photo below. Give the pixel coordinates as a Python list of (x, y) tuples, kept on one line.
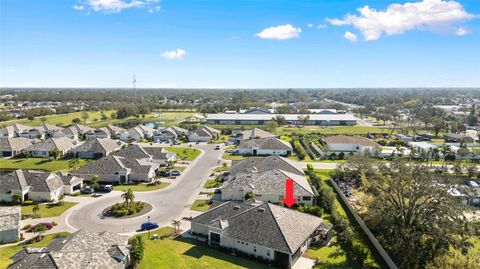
[(187, 154), (186, 254), (49, 165), (349, 130), (211, 183), (48, 210), (64, 119), (141, 187), (221, 168), (200, 205), (7, 252), (228, 156)]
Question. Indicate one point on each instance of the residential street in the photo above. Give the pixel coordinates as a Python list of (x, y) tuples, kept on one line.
[(167, 203)]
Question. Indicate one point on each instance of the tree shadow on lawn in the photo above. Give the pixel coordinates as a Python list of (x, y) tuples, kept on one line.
[(43, 161), (337, 253), (199, 250)]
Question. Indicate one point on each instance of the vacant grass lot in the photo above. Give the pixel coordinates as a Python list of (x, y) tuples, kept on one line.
[(200, 205), (7, 252), (48, 210), (348, 130), (228, 156), (211, 183), (141, 187), (65, 119), (187, 154), (186, 254), (49, 165), (221, 168)]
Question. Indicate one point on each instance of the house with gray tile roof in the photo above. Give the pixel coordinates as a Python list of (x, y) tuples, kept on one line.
[(33, 133), (169, 133), (52, 130), (13, 146), (80, 250), (97, 133), (270, 232), (156, 155), (270, 146), (203, 134), (30, 185), (13, 130), (96, 148), (45, 148), (137, 133), (114, 168), (267, 186), (71, 183), (76, 131), (258, 164), (9, 224), (115, 131), (254, 133)]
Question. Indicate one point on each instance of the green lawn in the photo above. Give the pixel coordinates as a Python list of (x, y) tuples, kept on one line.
[(7, 252), (186, 254), (211, 183), (200, 205), (48, 210), (187, 154), (221, 139), (348, 130), (65, 119), (179, 168), (228, 156), (141, 187), (221, 168), (332, 256), (49, 165)]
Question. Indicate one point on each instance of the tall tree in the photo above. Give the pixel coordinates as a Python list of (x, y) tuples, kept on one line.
[(412, 215)]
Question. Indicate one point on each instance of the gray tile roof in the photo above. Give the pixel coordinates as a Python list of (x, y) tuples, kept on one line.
[(98, 145), (115, 129), (80, 250), (254, 133), (206, 131), (134, 152), (264, 224), (61, 143), (265, 143), (350, 139), (105, 166), (51, 128), (14, 144), (70, 180), (9, 218), (268, 182), (264, 164), (36, 181), (158, 153)]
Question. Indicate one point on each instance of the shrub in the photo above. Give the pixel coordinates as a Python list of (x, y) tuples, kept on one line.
[(132, 210), (54, 223), (26, 227)]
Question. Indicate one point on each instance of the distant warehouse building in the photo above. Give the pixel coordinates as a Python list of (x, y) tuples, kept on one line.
[(296, 119)]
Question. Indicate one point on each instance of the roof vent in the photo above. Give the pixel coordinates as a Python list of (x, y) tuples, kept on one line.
[(236, 207), (261, 209)]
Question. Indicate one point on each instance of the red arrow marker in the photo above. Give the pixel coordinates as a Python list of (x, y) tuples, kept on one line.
[(289, 200)]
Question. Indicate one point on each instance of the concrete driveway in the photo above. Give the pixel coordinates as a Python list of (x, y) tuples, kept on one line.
[(167, 203)]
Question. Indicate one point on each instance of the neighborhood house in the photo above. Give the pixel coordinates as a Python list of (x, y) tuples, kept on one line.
[(264, 147)]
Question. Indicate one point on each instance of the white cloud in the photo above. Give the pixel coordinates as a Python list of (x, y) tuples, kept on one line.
[(280, 32), (350, 36), (310, 25), (114, 6), (321, 26), (174, 54), (462, 31), (433, 15), (78, 7), (154, 9)]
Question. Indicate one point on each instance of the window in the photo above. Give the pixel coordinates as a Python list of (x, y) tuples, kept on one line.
[(268, 252), (254, 249), (306, 198)]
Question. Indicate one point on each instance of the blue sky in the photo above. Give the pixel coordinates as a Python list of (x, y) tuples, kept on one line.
[(239, 44)]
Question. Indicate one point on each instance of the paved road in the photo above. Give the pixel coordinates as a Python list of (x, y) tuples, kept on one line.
[(168, 203)]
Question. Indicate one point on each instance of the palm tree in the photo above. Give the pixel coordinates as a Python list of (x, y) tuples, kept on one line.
[(40, 229), (446, 149), (35, 210), (413, 153), (128, 196), (176, 225), (73, 164)]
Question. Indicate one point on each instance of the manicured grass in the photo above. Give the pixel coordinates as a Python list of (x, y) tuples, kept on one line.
[(349, 130), (221, 168), (187, 253), (187, 154), (228, 156), (200, 205), (7, 252), (211, 183), (476, 245), (221, 139), (141, 187), (332, 256), (48, 210), (49, 165), (65, 119)]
